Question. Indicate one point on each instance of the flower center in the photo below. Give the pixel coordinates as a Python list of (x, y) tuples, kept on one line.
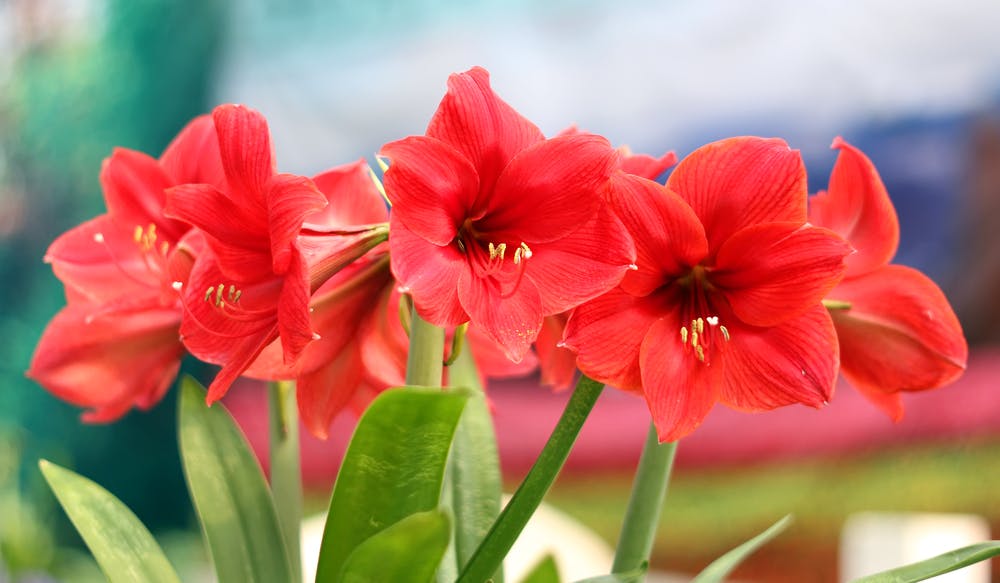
[(704, 331), (490, 260), (232, 298), (699, 338)]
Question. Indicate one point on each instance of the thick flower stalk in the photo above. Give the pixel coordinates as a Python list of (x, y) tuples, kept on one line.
[(725, 303), (492, 223), (116, 344), (897, 331)]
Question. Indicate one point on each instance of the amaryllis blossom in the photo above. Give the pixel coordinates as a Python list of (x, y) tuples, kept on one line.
[(558, 363), (896, 329), (362, 346), (116, 344), (725, 304), (493, 224), (252, 283)]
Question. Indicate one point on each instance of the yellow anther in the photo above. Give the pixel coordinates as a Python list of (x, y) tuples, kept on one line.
[(137, 235), (218, 294), (700, 352), (232, 290), (694, 337), (725, 333), (164, 247), (684, 335), (497, 250), (525, 250), (700, 325), (209, 292), (236, 298)]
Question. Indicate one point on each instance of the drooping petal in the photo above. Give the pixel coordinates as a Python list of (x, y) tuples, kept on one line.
[(606, 333), (475, 121), (290, 199), (737, 182), (226, 221), (431, 185), (679, 390), (549, 189), (857, 207), (512, 321), (133, 185), (429, 272), (794, 362), (294, 327), (384, 344), (193, 156), (890, 403), (328, 390), (558, 363), (111, 361), (245, 147), (352, 196), (775, 271), (899, 334), (588, 262), (491, 361), (668, 236), (97, 262)]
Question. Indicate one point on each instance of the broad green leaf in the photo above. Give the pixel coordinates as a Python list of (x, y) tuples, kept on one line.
[(230, 493), (123, 547), (721, 567), (631, 576), (474, 465), (393, 468), (545, 571), (409, 550), (939, 565)]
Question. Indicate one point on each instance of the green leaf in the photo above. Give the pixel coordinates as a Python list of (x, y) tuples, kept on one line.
[(721, 567), (123, 547), (939, 565), (393, 468), (229, 492), (631, 576), (474, 465), (409, 550), (545, 571)]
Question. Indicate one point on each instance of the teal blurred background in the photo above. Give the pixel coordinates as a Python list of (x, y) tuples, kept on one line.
[(915, 84)]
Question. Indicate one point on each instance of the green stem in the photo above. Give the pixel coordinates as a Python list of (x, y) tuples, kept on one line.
[(643, 513), (424, 362), (286, 477), (489, 556)]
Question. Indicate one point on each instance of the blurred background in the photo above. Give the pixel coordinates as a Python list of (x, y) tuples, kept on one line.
[(916, 85)]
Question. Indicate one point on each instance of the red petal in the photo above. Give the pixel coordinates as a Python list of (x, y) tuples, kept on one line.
[(384, 345), (110, 361), (679, 390), (582, 265), (294, 326), (432, 187), (328, 390), (352, 196), (290, 199), (245, 146), (429, 272), (491, 361), (97, 261), (512, 322), (607, 332), (738, 182), (548, 190), (890, 403), (668, 236), (193, 156), (775, 271), (647, 166), (133, 185), (794, 362), (474, 120), (858, 208), (558, 364), (900, 334)]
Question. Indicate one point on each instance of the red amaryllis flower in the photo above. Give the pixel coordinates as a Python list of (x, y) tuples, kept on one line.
[(897, 331), (116, 344), (252, 284), (362, 346), (725, 304), (557, 363), (494, 224)]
